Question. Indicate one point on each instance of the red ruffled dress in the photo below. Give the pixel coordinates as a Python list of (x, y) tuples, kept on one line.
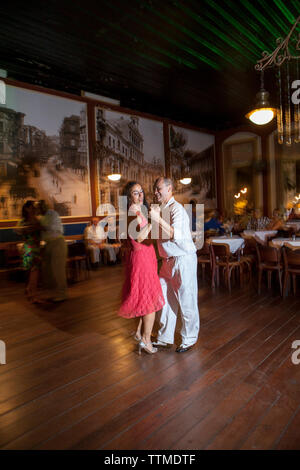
[(142, 293)]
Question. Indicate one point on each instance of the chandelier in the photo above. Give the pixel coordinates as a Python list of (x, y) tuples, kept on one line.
[(286, 66)]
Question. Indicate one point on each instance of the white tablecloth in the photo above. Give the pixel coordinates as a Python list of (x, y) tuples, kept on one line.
[(278, 242), (293, 223), (234, 242), (263, 235)]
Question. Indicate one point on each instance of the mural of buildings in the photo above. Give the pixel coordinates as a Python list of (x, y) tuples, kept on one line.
[(121, 150), (11, 125), (187, 161), (70, 141), (83, 144), (36, 146), (48, 162), (14, 169), (202, 171)]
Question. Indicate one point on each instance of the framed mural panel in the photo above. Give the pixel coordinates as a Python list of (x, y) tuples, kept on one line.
[(286, 190), (192, 154), (130, 145), (43, 153)]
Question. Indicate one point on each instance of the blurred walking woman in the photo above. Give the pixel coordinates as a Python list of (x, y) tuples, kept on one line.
[(30, 229), (142, 295)]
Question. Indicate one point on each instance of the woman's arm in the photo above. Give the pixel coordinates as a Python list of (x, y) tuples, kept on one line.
[(143, 233)]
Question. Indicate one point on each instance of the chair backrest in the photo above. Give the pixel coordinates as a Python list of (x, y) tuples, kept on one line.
[(250, 246), (204, 250), (220, 251), (268, 254), (291, 257)]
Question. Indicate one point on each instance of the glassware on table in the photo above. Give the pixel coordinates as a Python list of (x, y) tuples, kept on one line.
[(229, 227)]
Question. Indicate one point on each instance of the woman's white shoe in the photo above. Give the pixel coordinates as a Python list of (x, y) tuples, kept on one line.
[(146, 348)]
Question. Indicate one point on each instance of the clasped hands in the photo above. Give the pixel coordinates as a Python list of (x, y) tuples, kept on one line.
[(155, 213)]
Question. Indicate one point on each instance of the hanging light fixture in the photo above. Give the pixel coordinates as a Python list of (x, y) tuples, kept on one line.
[(114, 177), (185, 177), (263, 112), (185, 180), (287, 78)]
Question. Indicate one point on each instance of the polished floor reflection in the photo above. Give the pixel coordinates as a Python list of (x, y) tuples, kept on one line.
[(74, 380)]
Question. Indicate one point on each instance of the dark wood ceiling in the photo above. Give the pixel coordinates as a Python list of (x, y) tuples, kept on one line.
[(190, 60)]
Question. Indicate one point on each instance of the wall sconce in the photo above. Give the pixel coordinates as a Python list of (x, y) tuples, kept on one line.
[(243, 191)]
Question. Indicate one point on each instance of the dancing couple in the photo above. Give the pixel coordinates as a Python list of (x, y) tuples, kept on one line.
[(145, 292)]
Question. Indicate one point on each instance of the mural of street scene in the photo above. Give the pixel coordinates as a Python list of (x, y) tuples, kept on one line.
[(192, 155), (131, 146), (43, 153)]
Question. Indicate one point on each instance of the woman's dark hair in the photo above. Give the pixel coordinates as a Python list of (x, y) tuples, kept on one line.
[(26, 206), (126, 192)]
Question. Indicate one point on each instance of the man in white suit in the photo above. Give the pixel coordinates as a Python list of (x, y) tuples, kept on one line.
[(178, 274)]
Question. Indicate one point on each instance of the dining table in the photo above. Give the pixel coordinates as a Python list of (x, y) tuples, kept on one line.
[(279, 242), (235, 242), (262, 235), (294, 224)]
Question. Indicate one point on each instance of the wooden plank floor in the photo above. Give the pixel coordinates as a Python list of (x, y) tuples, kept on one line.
[(74, 380)]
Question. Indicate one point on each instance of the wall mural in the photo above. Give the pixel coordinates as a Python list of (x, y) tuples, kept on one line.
[(287, 185), (192, 154), (43, 153), (129, 145)]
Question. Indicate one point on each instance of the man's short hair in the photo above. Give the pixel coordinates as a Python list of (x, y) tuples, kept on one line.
[(167, 182)]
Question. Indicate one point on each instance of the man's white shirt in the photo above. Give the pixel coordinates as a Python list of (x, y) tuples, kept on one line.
[(95, 233), (181, 243)]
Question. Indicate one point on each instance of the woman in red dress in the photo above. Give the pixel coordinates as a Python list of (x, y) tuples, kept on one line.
[(142, 294)]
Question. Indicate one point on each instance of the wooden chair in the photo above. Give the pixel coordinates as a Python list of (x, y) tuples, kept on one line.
[(222, 258), (78, 261), (204, 258), (250, 253), (291, 260), (269, 259)]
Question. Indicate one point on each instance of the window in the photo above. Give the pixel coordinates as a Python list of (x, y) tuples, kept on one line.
[(73, 143), (1, 126)]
